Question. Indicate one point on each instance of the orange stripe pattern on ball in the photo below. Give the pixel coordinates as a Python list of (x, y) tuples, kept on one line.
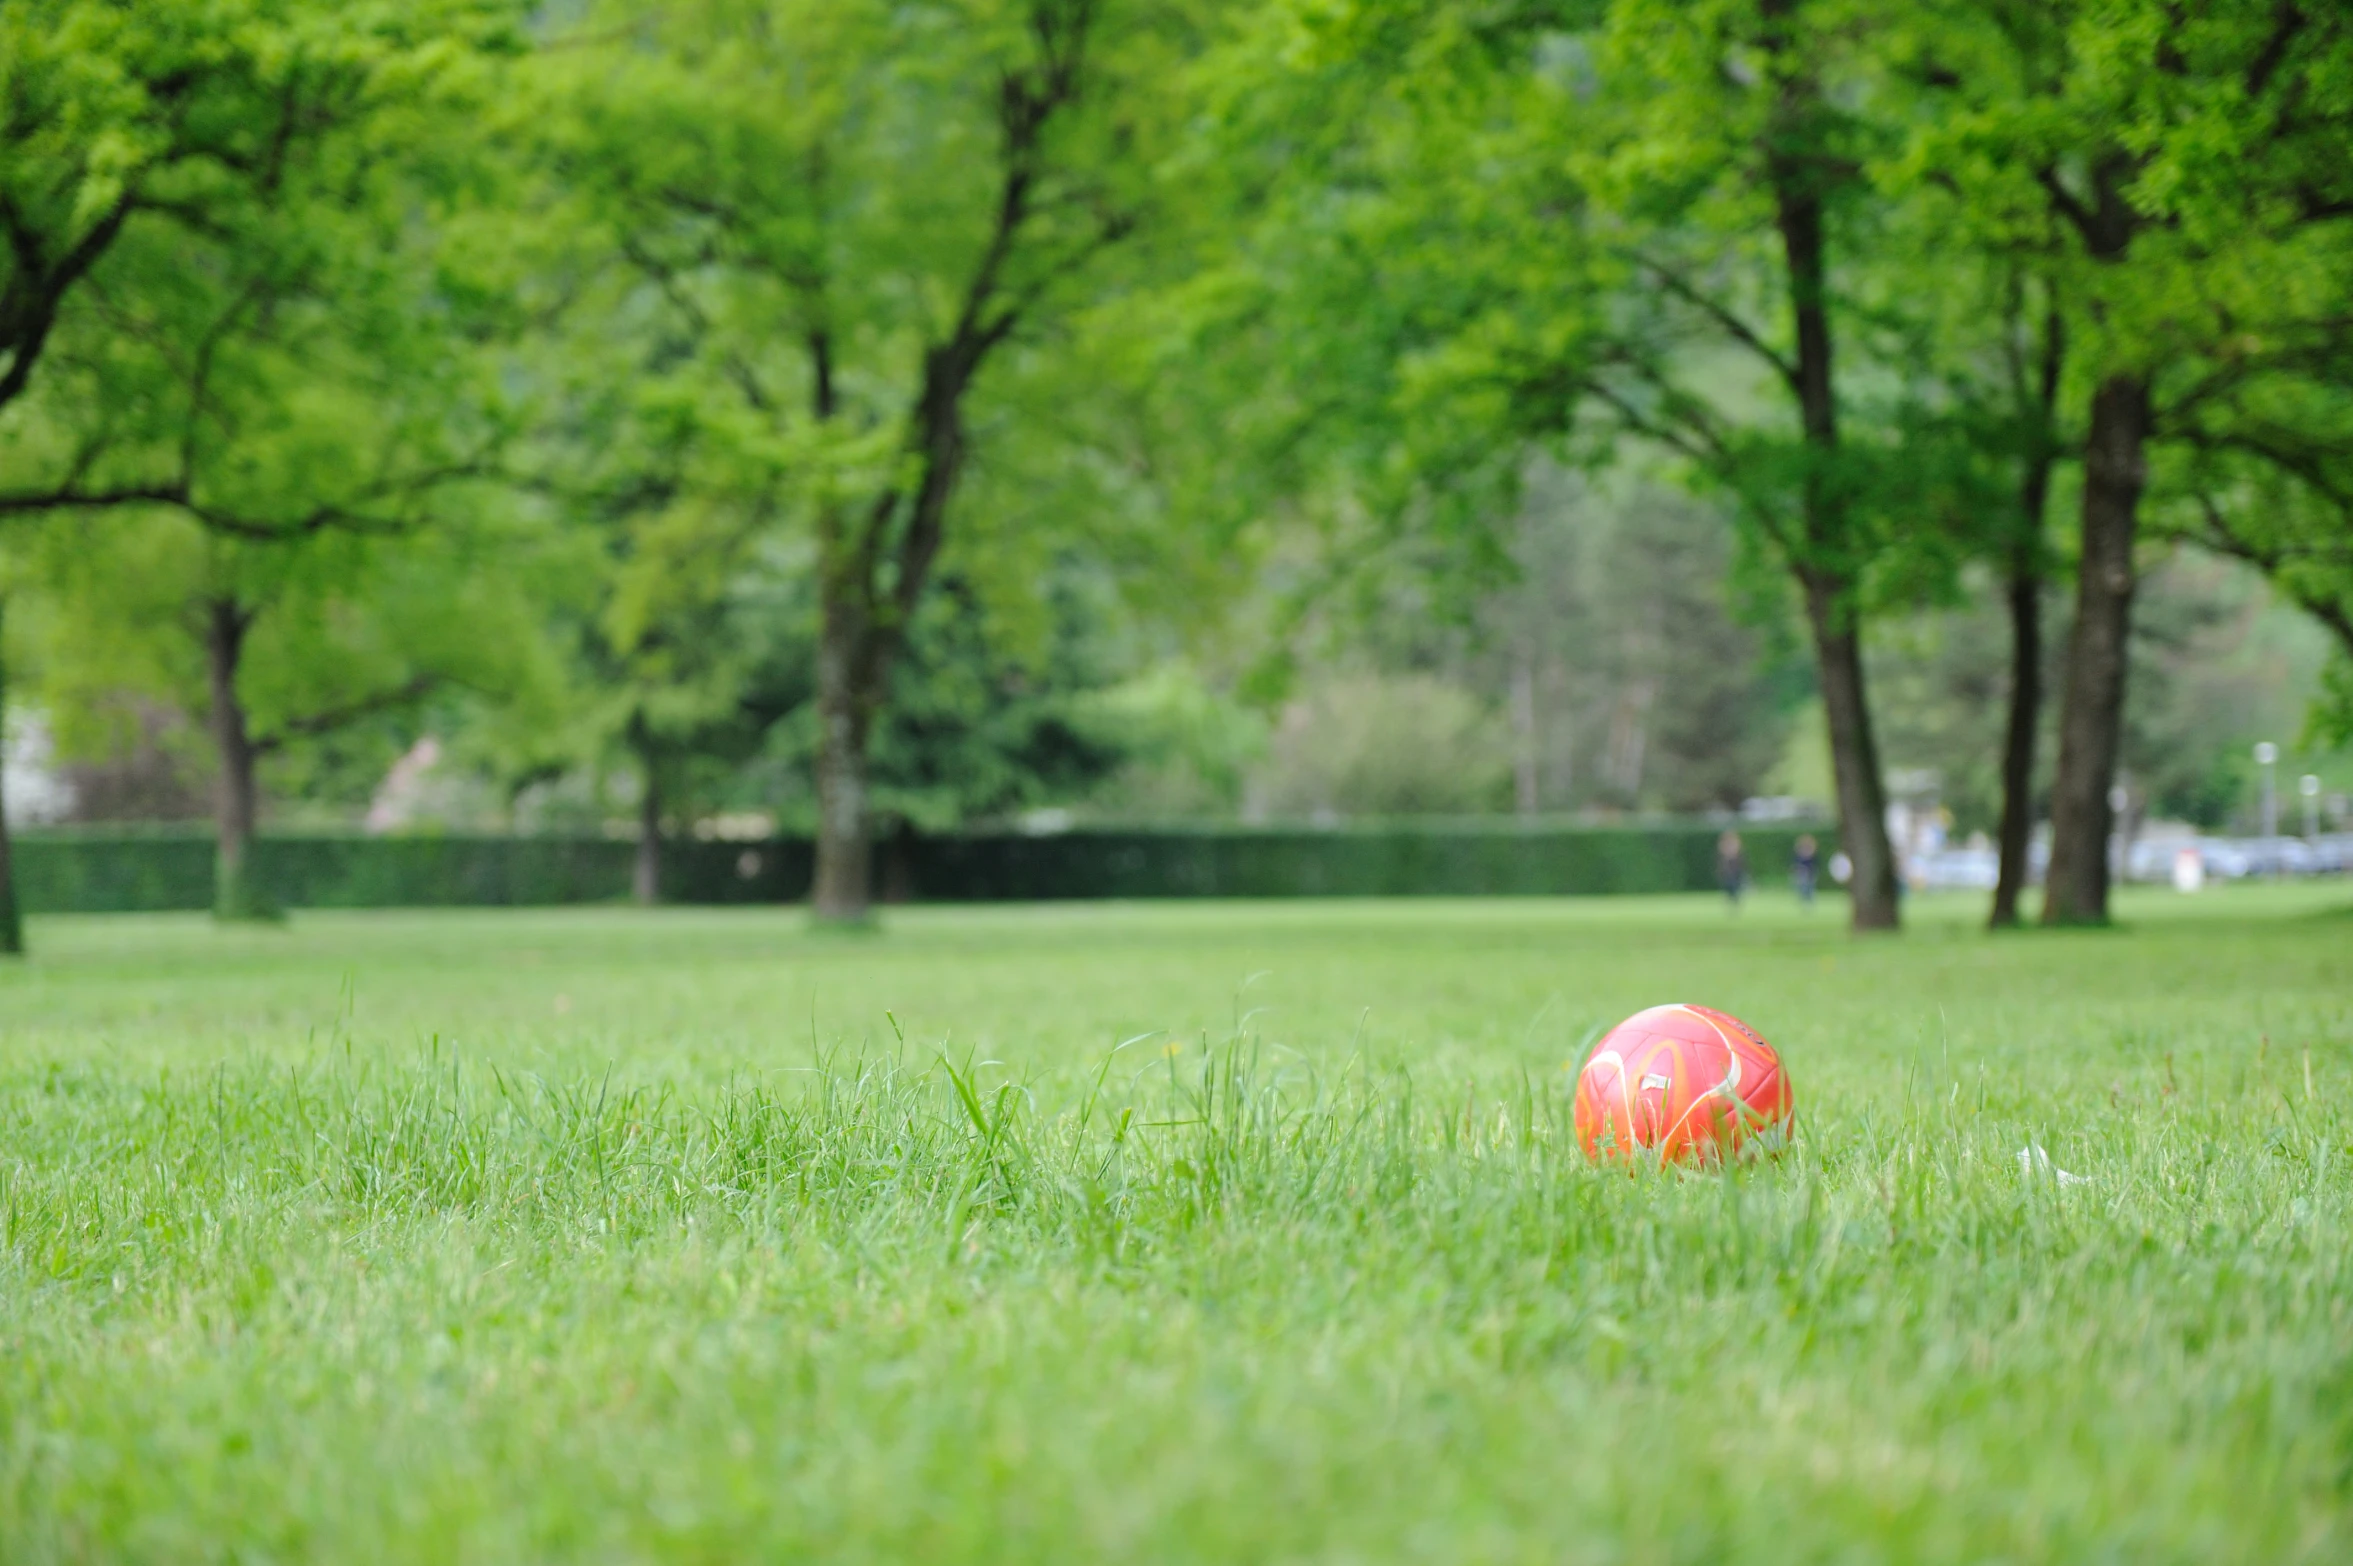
[(1682, 1084)]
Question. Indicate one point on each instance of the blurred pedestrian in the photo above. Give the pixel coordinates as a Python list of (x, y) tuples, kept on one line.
[(1731, 868), (1805, 867)]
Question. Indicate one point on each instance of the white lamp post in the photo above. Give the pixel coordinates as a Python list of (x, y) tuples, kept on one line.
[(2267, 757), (2309, 787)]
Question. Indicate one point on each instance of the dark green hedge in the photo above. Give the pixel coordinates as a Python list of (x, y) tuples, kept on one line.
[(110, 874), (92, 873), (1356, 862), (132, 872)]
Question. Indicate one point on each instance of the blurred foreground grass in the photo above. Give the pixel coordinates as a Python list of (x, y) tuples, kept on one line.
[(601, 1235)]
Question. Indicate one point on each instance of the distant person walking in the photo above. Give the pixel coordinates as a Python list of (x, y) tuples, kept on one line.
[(1805, 867), (1731, 868)]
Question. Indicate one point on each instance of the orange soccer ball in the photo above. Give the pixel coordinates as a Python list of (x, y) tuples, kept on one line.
[(1682, 1082)]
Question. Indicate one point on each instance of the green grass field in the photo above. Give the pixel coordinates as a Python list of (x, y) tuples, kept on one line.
[(1175, 1233)]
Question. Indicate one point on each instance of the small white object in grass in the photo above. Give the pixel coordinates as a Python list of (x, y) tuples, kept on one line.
[(2032, 1160)]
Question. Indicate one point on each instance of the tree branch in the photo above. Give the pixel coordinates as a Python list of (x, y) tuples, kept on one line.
[(1028, 101), (333, 718), (2074, 211), (2287, 20), (36, 314), (1733, 325), (75, 499), (665, 279)]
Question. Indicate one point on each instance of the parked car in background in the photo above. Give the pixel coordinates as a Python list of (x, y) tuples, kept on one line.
[(1973, 869), (2234, 859)]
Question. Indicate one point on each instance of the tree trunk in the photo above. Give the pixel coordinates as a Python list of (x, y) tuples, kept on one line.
[(2091, 712), (645, 873), (1830, 609), (2039, 406), (2026, 696), (843, 892), (1854, 757), (872, 573), (862, 628), (235, 893), (12, 936)]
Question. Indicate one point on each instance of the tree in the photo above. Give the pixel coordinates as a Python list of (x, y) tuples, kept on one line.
[(279, 644), (687, 660), (2032, 54), (1985, 446), (676, 646), (266, 401), (1983, 461), (110, 114), (1737, 166), (1669, 235), (857, 208), (2191, 166), (2035, 357)]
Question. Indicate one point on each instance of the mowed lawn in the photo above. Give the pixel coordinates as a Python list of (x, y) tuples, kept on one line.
[(1212, 1232)]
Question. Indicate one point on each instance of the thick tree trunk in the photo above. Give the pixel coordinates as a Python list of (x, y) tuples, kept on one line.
[(645, 871), (235, 892), (1854, 757), (843, 892), (2091, 711), (12, 937), (861, 630), (2026, 697)]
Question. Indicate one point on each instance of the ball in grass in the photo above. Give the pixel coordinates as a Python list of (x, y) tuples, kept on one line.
[(1682, 1084)]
